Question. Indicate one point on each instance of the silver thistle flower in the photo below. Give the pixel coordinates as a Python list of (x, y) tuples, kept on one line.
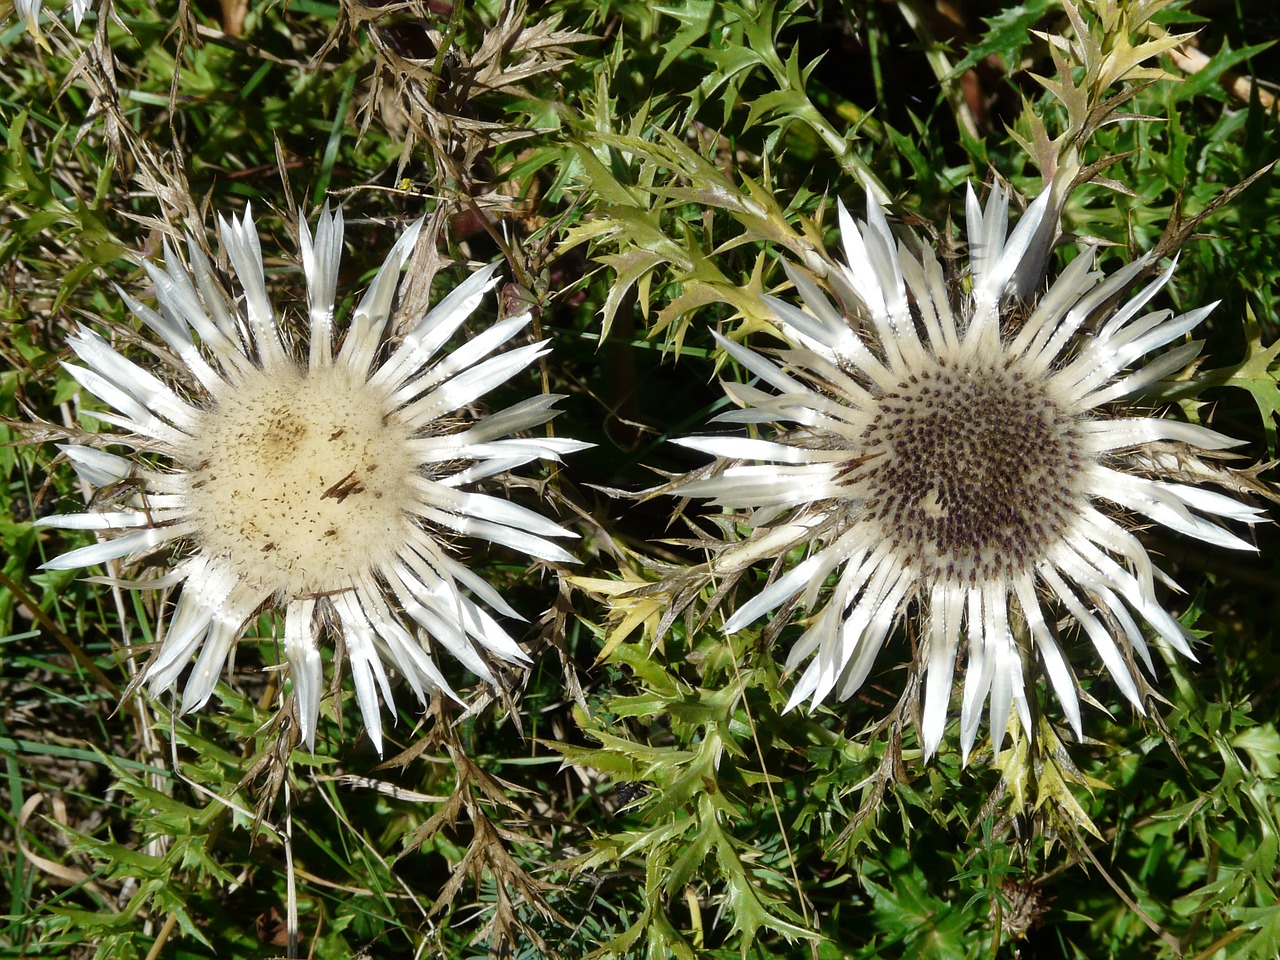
[(322, 486), (964, 456)]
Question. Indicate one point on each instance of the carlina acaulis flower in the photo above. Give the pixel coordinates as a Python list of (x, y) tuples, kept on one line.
[(950, 454), (328, 486)]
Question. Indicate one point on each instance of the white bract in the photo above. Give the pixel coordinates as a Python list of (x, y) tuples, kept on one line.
[(963, 458), (29, 10), (325, 486)]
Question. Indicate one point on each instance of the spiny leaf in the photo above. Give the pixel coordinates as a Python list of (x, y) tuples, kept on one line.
[(1007, 33)]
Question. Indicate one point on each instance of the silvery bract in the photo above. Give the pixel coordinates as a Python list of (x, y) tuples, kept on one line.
[(966, 460), (29, 10)]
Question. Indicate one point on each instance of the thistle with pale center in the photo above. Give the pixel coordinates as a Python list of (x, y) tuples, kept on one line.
[(327, 487), (965, 459)]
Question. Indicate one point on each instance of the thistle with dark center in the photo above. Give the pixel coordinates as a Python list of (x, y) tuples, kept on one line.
[(962, 458)]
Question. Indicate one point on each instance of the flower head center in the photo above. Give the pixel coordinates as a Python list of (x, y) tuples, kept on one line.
[(300, 479), (971, 470)]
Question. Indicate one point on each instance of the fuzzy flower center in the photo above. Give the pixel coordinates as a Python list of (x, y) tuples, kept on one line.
[(971, 471), (299, 479)]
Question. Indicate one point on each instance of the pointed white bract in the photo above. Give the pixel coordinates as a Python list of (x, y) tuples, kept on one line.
[(29, 10), (958, 456), (327, 485)]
